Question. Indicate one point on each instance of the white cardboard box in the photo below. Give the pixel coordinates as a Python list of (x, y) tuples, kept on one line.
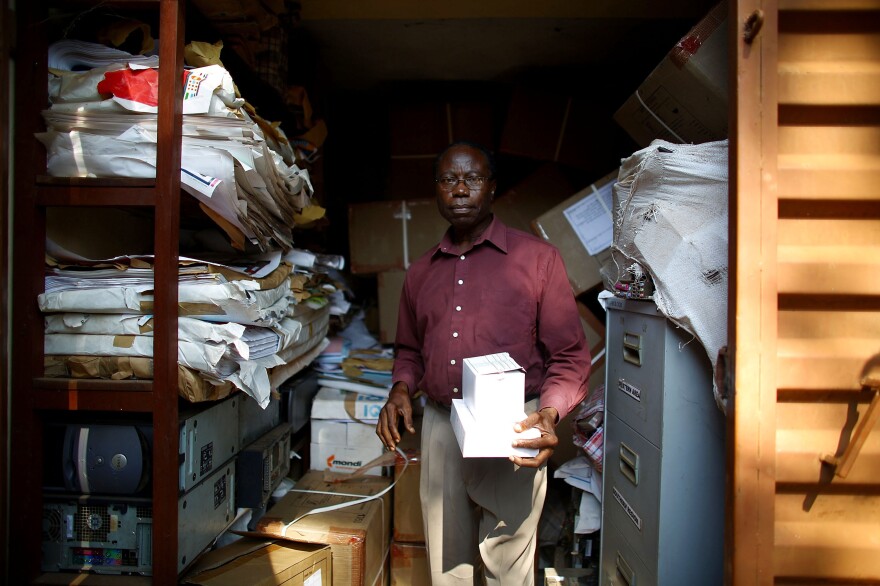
[(338, 404), (344, 459), (493, 388), (491, 440), (352, 434)]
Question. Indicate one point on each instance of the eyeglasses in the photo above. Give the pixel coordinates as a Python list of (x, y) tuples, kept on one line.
[(472, 182)]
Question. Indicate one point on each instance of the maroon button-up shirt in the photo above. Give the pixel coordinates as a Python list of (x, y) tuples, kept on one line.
[(509, 293)]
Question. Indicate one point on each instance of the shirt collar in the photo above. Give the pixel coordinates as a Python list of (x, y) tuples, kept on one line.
[(495, 234)]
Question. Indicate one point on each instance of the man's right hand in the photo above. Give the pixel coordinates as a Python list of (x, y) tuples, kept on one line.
[(398, 405)]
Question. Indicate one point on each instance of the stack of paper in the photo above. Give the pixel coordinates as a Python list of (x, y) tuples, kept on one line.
[(235, 327), (226, 163)]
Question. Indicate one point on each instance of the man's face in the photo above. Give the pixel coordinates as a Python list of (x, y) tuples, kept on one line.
[(467, 209)]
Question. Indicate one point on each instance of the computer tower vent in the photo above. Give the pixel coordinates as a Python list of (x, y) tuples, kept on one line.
[(53, 525)]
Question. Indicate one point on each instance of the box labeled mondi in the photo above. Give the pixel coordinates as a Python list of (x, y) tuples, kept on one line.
[(493, 388)]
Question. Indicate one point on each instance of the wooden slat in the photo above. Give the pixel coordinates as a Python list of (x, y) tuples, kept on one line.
[(844, 270), (836, 537), (812, 325), (816, 368), (828, 256), (831, 146), (805, 432)]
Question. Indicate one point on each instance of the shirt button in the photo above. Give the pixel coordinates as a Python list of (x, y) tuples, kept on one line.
[(452, 362), (458, 308), (460, 282), (461, 257), (455, 389), (454, 334)]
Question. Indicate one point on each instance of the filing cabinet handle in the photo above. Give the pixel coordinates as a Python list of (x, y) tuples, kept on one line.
[(629, 463), (624, 570), (632, 348)]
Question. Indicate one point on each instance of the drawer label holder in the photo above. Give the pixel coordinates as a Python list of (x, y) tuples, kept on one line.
[(630, 512), (627, 388)]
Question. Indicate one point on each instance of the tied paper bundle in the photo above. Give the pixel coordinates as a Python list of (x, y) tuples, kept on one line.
[(103, 123)]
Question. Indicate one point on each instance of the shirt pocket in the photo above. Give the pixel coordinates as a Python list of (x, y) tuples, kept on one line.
[(506, 319)]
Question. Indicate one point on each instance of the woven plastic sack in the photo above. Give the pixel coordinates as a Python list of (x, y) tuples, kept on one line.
[(671, 217)]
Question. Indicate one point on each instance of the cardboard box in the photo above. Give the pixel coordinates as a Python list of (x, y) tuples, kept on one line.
[(390, 285), (493, 388), (409, 564), (337, 404), (263, 563), (581, 220), (431, 118), (439, 123), (533, 196), (352, 434), (684, 99), (411, 177), (386, 235), (553, 127), (344, 459), (408, 524), (358, 535), (535, 120), (488, 440)]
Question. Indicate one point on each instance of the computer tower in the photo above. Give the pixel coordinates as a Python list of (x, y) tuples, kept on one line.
[(261, 466), (208, 439), (113, 535)]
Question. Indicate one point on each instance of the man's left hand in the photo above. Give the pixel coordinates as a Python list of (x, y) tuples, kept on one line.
[(545, 421)]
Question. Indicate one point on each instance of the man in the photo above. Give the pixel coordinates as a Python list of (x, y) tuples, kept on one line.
[(485, 288)]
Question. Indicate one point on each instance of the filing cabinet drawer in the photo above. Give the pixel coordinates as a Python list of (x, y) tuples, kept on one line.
[(635, 362), (631, 498), (620, 564)]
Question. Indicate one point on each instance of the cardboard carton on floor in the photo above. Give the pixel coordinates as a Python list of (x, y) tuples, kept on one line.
[(358, 535), (409, 564), (581, 228), (684, 99), (408, 525), (263, 563)]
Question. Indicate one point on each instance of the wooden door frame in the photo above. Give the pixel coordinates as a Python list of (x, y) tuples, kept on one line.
[(7, 30), (753, 297)]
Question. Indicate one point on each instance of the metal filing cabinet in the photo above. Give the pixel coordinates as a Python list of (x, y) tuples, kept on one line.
[(663, 485)]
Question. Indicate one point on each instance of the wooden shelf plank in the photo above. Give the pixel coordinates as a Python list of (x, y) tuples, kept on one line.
[(137, 398), (83, 579), (95, 195)]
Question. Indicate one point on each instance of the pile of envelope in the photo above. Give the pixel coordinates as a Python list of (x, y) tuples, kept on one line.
[(237, 324), (227, 164)]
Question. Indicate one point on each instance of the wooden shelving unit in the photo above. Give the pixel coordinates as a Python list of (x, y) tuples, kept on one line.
[(34, 399)]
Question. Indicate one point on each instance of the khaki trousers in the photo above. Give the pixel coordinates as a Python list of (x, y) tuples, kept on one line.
[(479, 513)]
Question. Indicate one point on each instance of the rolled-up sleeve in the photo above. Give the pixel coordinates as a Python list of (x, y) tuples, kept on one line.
[(409, 366), (562, 342)]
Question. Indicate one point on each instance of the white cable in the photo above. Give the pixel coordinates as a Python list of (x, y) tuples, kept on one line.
[(358, 498), (651, 112)]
